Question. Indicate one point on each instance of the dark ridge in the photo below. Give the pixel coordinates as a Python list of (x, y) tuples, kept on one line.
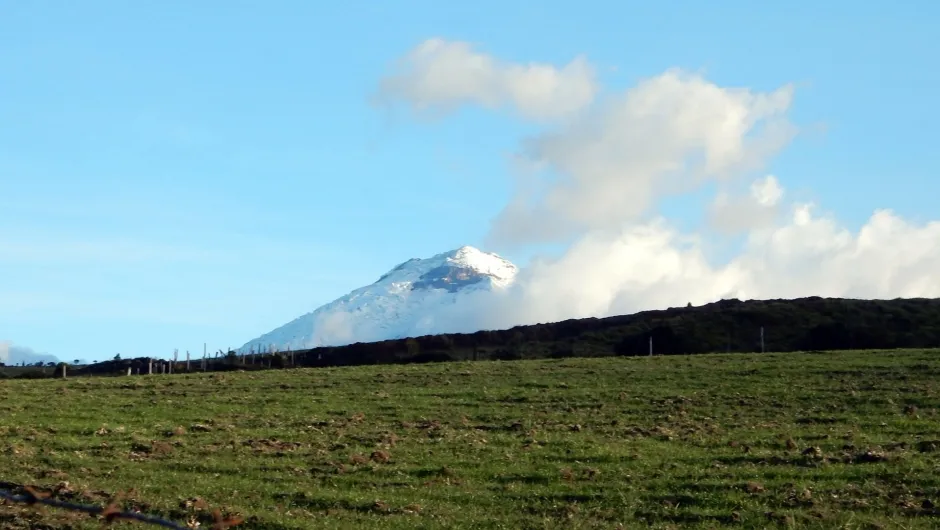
[(805, 324)]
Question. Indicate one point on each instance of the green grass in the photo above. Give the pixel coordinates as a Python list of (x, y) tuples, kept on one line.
[(834, 440)]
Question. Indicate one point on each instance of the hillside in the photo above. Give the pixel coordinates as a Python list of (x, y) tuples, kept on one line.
[(805, 324), (801, 440)]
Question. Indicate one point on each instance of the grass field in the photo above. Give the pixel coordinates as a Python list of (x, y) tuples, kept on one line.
[(826, 440)]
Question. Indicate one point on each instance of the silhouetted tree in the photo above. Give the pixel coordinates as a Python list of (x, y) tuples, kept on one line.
[(60, 369)]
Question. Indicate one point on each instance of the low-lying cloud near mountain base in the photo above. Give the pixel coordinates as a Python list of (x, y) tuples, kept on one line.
[(652, 266), (10, 354), (597, 173)]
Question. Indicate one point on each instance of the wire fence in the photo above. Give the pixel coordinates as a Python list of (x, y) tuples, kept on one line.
[(109, 513)]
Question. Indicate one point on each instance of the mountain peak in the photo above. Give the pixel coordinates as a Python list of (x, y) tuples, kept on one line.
[(486, 263), (465, 260), (462, 267), (468, 254)]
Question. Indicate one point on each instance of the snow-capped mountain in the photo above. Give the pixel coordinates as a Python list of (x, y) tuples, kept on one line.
[(402, 303)]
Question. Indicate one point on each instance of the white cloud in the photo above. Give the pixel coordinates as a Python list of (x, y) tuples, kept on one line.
[(335, 328), (653, 266), (731, 214), (441, 75), (596, 180), (767, 191), (669, 134)]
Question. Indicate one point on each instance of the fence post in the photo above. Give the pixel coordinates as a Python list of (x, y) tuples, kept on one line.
[(149, 366)]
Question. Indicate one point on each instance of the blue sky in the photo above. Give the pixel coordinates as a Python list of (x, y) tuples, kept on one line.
[(174, 173)]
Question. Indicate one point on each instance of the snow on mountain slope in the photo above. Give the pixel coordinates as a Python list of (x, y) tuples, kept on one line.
[(402, 303)]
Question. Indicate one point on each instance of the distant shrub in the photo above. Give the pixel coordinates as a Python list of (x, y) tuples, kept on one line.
[(32, 374), (231, 358), (59, 369), (278, 360)]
